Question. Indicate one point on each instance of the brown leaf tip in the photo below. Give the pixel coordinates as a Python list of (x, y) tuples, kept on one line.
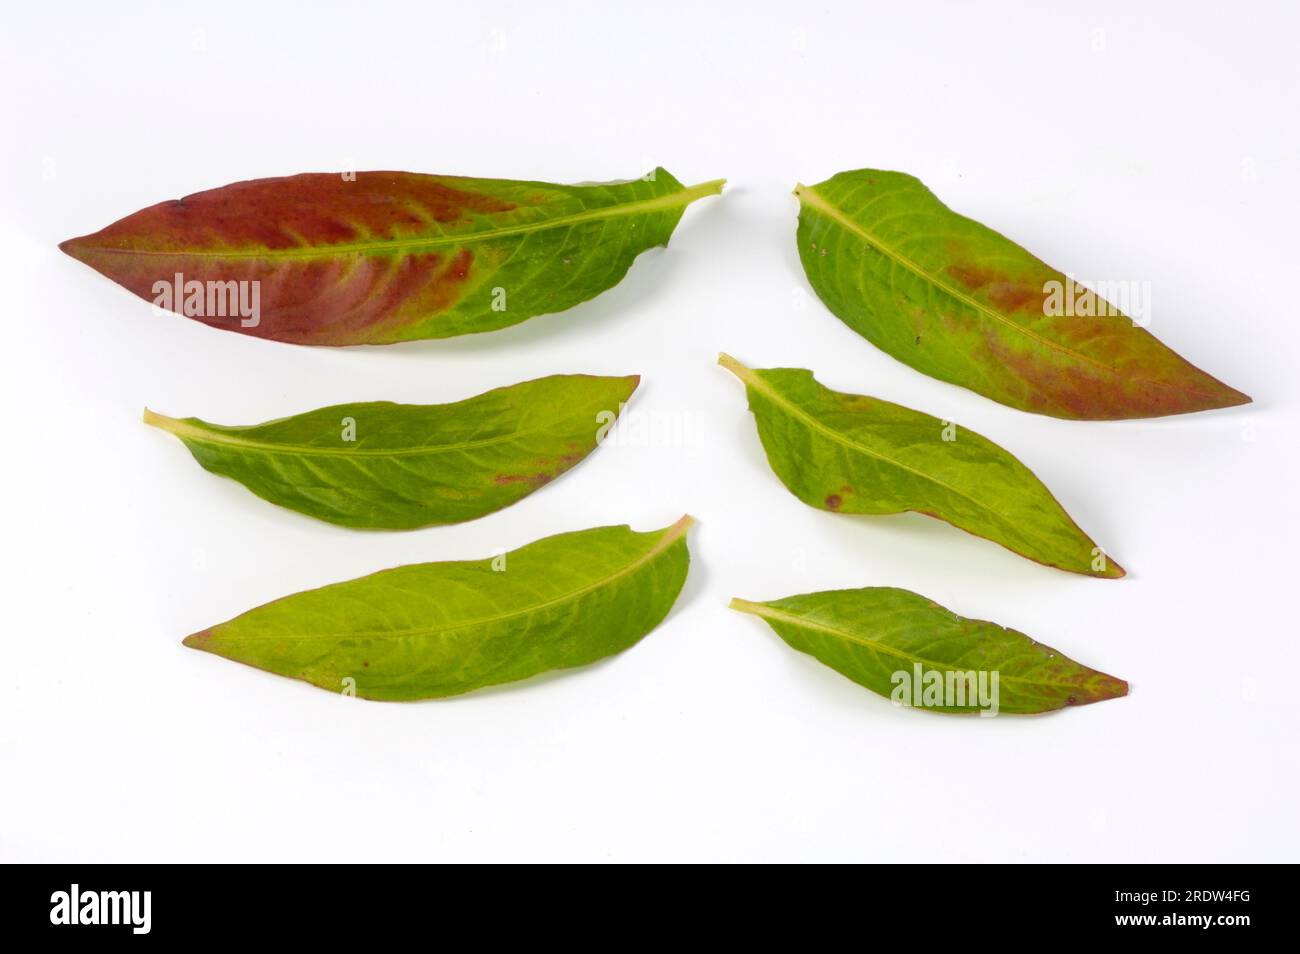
[(72, 247), (1105, 687)]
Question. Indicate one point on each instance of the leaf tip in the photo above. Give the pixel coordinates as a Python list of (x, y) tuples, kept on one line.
[(1236, 398), (198, 640), (73, 247), (1215, 395), (1105, 687)]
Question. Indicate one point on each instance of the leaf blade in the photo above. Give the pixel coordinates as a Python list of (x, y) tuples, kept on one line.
[(432, 630), (867, 634), (852, 453), (385, 466), (387, 256), (962, 303)]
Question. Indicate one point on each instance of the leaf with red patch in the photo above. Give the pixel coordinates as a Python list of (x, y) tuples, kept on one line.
[(379, 257), (957, 301), (383, 466), (850, 453), (920, 655)]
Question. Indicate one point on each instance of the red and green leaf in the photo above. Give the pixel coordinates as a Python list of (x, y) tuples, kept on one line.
[(379, 257), (962, 303)]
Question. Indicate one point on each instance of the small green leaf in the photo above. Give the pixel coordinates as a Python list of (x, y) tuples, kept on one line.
[(850, 453), (379, 257), (957, 301), (389, 466), (441, 629), (904, 646)]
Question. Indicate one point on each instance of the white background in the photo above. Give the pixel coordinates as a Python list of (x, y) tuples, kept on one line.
[(1157, 144)]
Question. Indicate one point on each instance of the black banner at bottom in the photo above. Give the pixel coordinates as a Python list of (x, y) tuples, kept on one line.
[(133, 904)]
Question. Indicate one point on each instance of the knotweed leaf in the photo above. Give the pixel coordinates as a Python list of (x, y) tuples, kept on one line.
[(850, 453), (957, 301), (441, 629), (389, 466), (378, 257), (905, 647)]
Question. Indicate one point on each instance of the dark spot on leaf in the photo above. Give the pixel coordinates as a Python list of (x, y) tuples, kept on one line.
[(834, 501)]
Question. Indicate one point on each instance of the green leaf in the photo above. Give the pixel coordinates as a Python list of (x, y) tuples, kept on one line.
[(379, 257), (387, 466), (957, 301), (901, 645), (850, 453), (441, 629)]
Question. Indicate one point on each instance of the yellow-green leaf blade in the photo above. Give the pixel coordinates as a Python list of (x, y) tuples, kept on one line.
[(851, 453), (379, 465), (886, 639), (441, 629)]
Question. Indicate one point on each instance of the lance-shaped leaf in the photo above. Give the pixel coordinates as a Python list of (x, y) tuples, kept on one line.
[(378, 257), (962, 303), (441, 629), (914, 651), (389, 466), (850, 453)]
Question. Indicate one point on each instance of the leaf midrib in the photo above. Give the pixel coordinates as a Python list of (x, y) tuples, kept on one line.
[(682, 197), (767, 612), (670, 535), (191, 432)]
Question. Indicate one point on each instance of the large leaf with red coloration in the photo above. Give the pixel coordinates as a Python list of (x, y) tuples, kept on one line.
[(379, 257), (379, 465), (958, 301), (912, 650)]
